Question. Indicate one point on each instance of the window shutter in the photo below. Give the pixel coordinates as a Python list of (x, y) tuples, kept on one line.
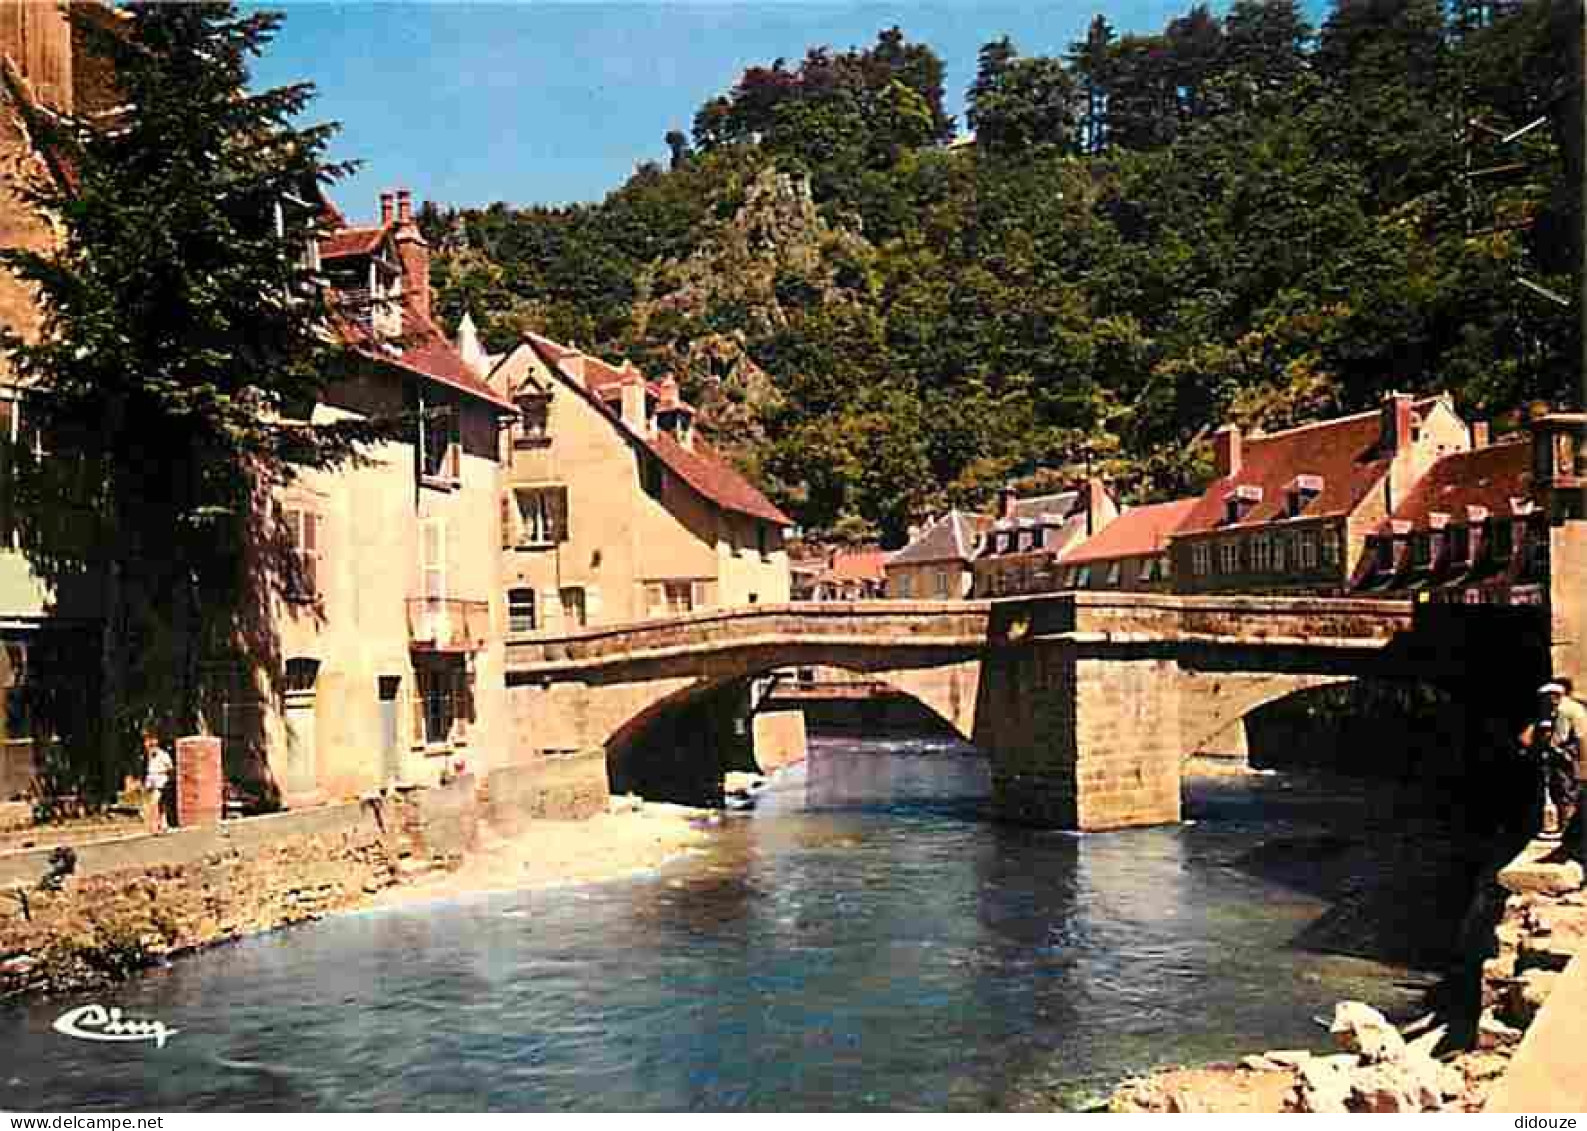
[(416, 697), (433, 561), (508, 539), (557, 515)]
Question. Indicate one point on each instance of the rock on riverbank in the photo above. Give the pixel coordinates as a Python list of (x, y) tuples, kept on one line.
[(1542, 926)]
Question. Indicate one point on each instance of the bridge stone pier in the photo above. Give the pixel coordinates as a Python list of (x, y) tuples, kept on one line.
[(1086, 704)]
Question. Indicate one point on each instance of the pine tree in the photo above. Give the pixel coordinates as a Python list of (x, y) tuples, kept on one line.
[(184, 340)]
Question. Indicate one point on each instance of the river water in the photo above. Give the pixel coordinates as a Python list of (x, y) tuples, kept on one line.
[(864, 940)]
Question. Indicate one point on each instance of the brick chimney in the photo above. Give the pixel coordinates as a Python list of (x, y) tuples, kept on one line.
[(415, 256), (388, 202), (1395, 423), (634, 405), (1099, 505), (1479, 434), (1226, 451)]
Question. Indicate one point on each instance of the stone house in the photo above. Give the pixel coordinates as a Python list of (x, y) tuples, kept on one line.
[(938, 561), (614, 508), (44, 70), (1030, 536), (1290, 511), (390, 629), (1130, 553), (851, 574), (1474, 530)]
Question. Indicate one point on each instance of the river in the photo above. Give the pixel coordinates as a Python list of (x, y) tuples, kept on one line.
[(865, 940)]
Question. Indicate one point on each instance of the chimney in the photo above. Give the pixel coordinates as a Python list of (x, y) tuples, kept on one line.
[(415, 256), (1226, 451), (1395, 423), (634, 405), (387, 204), (1005, 503), (1099, 505), (1479, 434)]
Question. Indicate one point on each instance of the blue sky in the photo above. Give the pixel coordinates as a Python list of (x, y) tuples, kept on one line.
[(470, 103)]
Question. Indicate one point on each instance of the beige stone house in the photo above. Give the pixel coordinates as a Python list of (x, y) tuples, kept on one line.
[(1030, 536), (1290, 511), (937, 563), (1130, 553), (390, 636), (614, 508)]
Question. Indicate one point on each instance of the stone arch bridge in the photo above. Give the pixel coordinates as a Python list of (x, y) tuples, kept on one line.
[(1086, 704)]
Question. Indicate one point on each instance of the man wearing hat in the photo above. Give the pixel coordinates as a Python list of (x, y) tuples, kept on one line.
[(1563, 768)]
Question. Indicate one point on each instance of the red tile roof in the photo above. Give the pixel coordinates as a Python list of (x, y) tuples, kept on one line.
[(1138, 531), (706, 471), (1344, 452), (701, 468), (1487, 477), (350, 241), (427, 352)]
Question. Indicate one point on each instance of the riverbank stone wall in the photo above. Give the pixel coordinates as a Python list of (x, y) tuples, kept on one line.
[(132, 902), (547, 788)]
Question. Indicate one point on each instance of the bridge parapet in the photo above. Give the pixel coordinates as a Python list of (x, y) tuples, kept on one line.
[(1310, 621), (881, 624)]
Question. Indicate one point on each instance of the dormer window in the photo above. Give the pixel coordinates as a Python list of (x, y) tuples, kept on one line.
[(1299, 493), (534, 413), (1239, 502), (438, 444)]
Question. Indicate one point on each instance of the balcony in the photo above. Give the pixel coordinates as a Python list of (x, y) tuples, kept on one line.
[(446, 624)]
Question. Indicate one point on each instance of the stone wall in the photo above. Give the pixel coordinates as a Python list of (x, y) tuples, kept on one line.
[(556, 789), (131, 902)]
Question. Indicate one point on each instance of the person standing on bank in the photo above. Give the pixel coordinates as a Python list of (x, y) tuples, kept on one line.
[(1576, 711), (1562, 756), (157, 769)]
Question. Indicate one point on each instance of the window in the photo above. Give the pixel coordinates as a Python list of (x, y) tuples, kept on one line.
[(1383, 548), (1330, 546), (1148, 569), (1535, 553), (1026, 539), (1082, 577), (1165, 566), (303, 529), (520, 610), (432, 558), (1229, 556), (675, 597), (906, 585), (1281, 553), (573, 611), (1113, 575), (17, 718), (763, 540), (1308, 550), (438, 443), (441, 702), (1201, 559), (1261, 553), (1501, 540), (652, 476), (1460, 544), (542, 516), (942, 584), (534, 411)]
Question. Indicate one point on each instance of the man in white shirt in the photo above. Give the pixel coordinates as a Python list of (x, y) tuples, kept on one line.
[(156, 778)]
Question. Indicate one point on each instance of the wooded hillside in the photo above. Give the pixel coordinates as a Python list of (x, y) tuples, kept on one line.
[(1238, 218)]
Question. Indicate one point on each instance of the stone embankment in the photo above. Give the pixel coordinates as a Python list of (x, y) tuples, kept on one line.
[(75, 916), (1541, 926)]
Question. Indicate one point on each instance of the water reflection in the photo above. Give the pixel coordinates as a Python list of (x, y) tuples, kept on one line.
[(863, 941)]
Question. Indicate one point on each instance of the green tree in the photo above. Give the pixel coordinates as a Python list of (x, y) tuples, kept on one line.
[(183, 340)]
